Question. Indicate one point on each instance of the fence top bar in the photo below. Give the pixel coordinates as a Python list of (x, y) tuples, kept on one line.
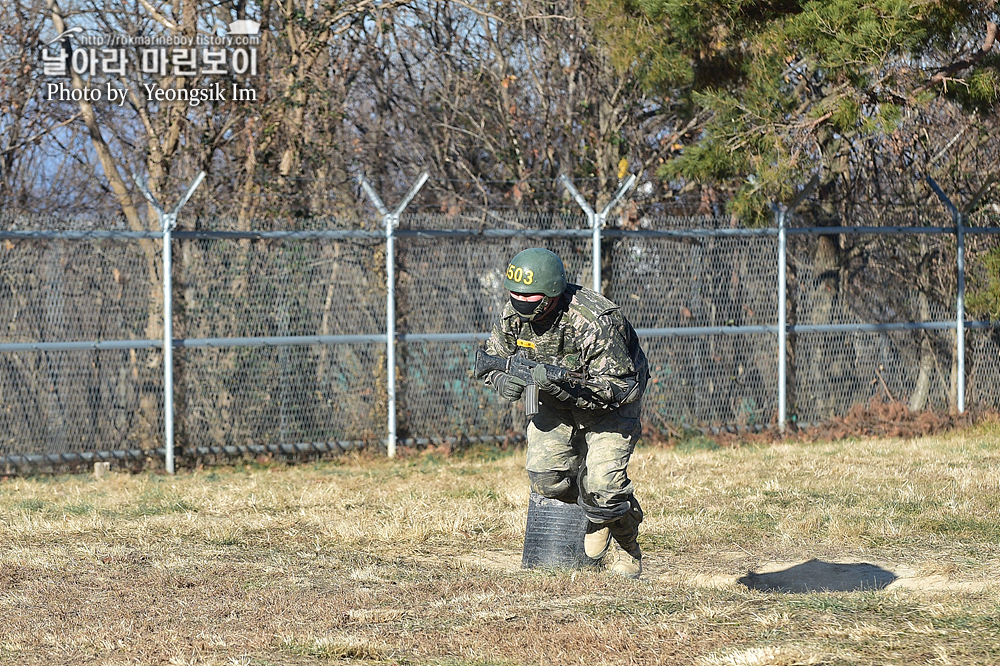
[(483, 233), (80, 345), (889, 326), (294, 340), (281, 235), (80, 235), (680, 331), (808, 328), (687, 233), (443, 337), (829, 231), (493, 233), (582, 233), (279, 341)]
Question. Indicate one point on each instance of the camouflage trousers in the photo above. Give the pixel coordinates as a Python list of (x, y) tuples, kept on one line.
[(585, 465)]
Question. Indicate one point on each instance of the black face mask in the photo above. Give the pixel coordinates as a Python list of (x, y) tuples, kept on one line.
[(528, 310)]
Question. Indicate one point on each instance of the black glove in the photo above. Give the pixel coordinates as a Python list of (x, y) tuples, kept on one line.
[(508, 386), (545, 384)]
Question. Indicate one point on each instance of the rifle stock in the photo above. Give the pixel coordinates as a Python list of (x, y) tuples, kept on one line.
[(485, 364)]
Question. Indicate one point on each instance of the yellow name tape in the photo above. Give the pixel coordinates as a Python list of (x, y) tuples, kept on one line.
[(526, 343)]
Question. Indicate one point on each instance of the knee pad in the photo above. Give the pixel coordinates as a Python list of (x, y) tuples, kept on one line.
[(554, 485)]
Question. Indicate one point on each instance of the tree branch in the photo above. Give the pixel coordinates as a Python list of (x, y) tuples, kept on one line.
[(947, 72), (39, 135), (108, 162), (158, 17)]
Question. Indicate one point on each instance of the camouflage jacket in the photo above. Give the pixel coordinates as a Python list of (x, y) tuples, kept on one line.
[(586, 332)]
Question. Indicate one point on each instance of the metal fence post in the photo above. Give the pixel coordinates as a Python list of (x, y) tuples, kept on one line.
[(782, 319), (781, 212), (391, 220), (167, 222), (595, 246), (956, 218), (168, 344), (597, 220), (390, 332), (960, 311), (959, 218)]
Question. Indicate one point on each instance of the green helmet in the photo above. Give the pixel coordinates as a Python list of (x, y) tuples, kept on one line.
[(536, 271)]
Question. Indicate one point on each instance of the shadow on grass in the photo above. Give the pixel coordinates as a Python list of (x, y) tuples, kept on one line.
[(820, 576)]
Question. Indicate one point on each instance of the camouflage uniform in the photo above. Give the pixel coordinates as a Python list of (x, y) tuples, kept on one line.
[(578, 449)]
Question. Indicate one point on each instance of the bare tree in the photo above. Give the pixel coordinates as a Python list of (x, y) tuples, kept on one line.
[(498, 101)]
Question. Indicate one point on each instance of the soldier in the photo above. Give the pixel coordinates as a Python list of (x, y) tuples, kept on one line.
[(581, 439)]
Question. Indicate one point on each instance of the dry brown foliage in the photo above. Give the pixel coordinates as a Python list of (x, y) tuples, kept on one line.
[(879, 418)]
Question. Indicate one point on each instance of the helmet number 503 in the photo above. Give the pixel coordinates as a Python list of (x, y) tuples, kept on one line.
[(518, 274)]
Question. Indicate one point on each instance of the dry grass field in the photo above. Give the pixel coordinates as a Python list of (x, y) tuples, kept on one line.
[(362, 560)]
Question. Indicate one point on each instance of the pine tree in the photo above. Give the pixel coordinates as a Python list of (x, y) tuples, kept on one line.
[(780, 90)]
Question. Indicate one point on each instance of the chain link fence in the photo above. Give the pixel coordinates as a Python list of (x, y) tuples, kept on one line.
[(57, 399), (280, 335), (236, 389)]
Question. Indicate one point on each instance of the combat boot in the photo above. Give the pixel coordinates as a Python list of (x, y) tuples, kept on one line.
[(625, 563), (598, 538)]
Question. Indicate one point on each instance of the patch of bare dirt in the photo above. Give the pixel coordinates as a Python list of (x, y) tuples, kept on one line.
[(911, 579)]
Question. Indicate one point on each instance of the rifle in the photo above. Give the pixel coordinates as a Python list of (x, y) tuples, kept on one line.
[(521, 367)]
